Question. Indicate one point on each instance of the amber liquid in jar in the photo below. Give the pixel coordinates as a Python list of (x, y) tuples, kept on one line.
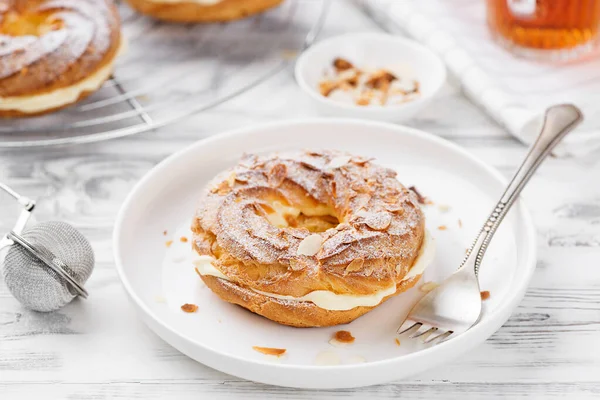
[(552, 26)]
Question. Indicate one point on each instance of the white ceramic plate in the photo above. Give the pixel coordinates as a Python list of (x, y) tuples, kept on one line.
[(404, 57), (221, 335)]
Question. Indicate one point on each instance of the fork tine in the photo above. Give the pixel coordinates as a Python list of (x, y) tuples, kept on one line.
[(438, 338), (407, 326), (451, 334), (423, 330)]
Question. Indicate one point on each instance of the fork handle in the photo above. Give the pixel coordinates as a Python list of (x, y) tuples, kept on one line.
[(558, 121)]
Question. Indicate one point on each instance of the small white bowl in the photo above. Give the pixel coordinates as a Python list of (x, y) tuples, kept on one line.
[(373, 50)]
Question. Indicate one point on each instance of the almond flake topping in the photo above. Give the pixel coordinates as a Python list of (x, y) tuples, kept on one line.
[(277, 175), (378, 221), (338, 162), (231, 179), (355, 265), (310, 245)]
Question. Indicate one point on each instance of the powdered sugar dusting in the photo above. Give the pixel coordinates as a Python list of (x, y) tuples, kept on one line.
[(258, 254), (86, 31)]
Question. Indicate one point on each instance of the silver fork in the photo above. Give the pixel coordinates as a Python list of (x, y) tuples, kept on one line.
[(455, 306)]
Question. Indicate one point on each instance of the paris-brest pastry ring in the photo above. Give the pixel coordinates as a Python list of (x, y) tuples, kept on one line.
[(309, 238), (202, 10), (54, 53)]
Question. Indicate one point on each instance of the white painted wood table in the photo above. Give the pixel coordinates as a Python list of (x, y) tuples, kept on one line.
[(99, 349)]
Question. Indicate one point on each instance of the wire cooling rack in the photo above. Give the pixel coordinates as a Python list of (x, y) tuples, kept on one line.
[(171, 71)]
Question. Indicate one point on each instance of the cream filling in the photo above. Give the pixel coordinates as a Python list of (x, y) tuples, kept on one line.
[(332, 301), (278, 217), (60, 97), (201, 2)]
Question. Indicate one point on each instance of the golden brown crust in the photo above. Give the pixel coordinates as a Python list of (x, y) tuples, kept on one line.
[(226, 10), (381, 224), (20, 114), (301, 314), (367, 232), (85, 39)]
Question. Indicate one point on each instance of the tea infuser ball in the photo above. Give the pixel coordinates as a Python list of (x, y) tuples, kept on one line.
[(47, 265)]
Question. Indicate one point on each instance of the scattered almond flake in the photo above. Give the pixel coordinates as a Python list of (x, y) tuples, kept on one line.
[(362, 213), (459, 223), (248, 160), (366, 86), (361, 160), (338, 162), (351, 82), (231, 180), (372, 182), (355, 265), (341, 64), (428, 287), (168, 243), (160, 299), (420, 198), (310, 245), (165, 232), (269, 351), (343, 227), (397, 341), (394, 208), (364, 98), (485, 295), (442, 227), (277, 175), (416, 87), (183, 239), (326, 87), (333, 187), (444, 208), (241, 178), (380, 79), (312, 152), (222, 189), (299, 233), (344, 337), (378, 221), (347, 76), (189, 308)]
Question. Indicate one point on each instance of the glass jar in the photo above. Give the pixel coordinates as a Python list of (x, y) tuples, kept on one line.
[(558, 30)]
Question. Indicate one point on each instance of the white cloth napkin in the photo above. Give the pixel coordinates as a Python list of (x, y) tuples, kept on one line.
[(513, 91)]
